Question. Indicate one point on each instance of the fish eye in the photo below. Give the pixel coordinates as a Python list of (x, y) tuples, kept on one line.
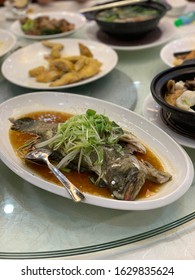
[(113, 182)]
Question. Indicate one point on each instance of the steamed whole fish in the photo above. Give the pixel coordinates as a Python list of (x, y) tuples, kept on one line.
[(118, 169)]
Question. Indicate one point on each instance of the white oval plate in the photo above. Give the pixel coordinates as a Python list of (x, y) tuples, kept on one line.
[(7, 42), (77, 19), (15, 68), (184, 44), (172, 156)]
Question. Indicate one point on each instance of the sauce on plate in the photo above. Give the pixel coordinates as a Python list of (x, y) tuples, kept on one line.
[(80, 180)]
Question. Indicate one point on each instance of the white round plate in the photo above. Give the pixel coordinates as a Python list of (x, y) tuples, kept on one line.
[(7, 42), (33, 56), (167, 28), (186, 43), (173, 157), (77, 19), (151, 110)]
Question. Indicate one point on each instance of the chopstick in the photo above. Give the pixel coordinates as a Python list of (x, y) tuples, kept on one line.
[(110, 5)]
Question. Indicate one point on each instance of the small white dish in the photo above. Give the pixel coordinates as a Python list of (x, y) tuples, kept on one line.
[(77, 19), (172, 156), (33, 56), (178, 7), (7, 42), (151, 110), (186, 43), (167, 32)]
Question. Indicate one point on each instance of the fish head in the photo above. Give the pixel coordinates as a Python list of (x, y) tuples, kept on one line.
[(124, 179)]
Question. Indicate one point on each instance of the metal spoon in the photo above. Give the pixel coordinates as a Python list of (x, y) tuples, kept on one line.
[(42, 155)]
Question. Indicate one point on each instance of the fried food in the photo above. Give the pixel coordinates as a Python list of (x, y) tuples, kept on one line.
[(48, 76), (80, 63), (51, 45), (63, 70), (91, 68), (56, 49), (62, 64), (36, 71), (68, 78), (85, 50)]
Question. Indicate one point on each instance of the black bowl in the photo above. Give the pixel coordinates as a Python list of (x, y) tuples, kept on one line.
[(134, 29), (180, 120)]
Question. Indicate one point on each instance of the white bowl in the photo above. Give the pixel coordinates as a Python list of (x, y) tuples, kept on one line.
[(178, 7), (7, 42)]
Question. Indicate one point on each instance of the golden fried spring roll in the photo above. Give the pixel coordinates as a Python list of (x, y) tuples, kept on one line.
[(67, 78), (48, 76)]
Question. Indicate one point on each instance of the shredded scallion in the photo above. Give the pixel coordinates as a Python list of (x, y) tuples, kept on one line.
[(82, 135)]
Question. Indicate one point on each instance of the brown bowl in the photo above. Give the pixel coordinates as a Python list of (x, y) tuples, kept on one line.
[(180, 120), (131, 28)]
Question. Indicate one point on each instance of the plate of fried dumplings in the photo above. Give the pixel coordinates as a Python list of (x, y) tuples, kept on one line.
[(59, 63)]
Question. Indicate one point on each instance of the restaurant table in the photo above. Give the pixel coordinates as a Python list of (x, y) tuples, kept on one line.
[(37, 224)]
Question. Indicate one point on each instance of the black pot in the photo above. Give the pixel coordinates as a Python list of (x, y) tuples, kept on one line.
[(131, 28), (180, 120)]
